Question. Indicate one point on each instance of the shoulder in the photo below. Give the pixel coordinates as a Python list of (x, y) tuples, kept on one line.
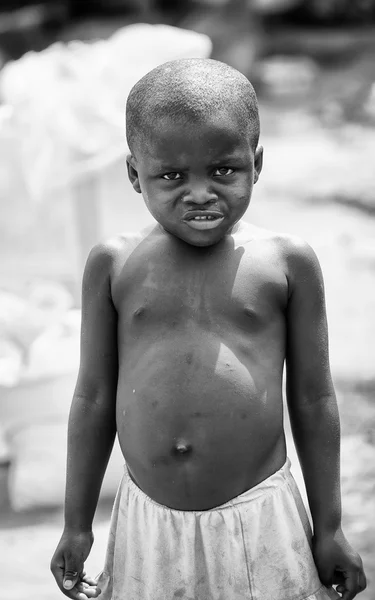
[(301, 264), (294, 255), (106, 256), (297, 253), (293, 249), (287, 245), (101, 258)]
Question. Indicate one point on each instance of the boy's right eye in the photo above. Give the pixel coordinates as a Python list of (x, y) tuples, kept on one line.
[(172, 176)]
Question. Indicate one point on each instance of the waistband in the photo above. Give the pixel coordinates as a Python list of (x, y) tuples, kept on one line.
[(271, 484)]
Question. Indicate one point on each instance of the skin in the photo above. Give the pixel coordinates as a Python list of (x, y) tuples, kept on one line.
[(184, 338)]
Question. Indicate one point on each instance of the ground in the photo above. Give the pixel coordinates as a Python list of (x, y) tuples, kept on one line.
[(317, 183)]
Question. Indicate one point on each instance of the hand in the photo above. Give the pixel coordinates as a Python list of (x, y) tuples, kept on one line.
[(338, 564), (67, 566)]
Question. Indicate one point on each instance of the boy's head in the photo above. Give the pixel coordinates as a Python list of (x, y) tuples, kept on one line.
[(192, 128)]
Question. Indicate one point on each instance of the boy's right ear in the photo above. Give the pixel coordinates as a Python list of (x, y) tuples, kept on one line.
[(133, 173)]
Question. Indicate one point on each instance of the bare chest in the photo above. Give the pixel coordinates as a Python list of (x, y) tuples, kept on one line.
[(243, 289)]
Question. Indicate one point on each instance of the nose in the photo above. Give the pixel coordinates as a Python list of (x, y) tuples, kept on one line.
[(200, 193)]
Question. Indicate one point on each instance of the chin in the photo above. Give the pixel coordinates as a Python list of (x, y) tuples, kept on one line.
[(203, 243), (199, 240)]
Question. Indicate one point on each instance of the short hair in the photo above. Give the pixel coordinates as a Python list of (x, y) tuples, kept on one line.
[(193, 89)]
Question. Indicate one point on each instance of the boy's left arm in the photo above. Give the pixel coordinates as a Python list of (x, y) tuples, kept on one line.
[(315, 421)]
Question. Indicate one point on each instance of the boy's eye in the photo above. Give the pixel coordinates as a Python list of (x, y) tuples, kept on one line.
[(172, 176), (224, 171)]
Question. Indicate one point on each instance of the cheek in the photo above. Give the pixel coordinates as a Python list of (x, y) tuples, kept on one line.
[(147, 189), (243, 188), (157, 201)]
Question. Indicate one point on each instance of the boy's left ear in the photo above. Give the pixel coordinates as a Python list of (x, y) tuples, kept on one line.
[(258, 162)]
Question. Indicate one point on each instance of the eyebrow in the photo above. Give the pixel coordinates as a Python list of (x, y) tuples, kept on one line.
[(226, 158), (217, 161)]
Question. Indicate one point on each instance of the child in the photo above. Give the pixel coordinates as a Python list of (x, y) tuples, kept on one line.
[(185, 330)]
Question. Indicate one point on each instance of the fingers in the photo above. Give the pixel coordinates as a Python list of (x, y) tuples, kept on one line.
[(338, 578), (90, 591), (66, 572), (83, 591), (355, 582), (84, 586), (57, 568), (327, 576), (70, 578), (77, 595), (362, 581), (89, 580)]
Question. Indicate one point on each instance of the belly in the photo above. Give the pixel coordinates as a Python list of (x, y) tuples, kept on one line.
[(199, 420)]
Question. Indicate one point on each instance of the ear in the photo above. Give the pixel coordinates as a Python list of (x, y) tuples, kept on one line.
[(258, 162), (133, 173)]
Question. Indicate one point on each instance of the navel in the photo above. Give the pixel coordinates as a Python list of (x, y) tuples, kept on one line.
[(182, 448)]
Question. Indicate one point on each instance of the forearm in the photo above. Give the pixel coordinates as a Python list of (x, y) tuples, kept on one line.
[(91, 434), (316, 432)]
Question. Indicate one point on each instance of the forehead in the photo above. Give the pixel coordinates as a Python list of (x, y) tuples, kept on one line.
[(183, 138)]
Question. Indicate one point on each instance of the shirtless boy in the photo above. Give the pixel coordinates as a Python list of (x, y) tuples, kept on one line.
[(185, 331)]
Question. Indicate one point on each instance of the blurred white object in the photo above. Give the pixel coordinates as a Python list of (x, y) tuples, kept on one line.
[(287, 74), (69, 100), (6, 113), (274, 6), (54, 352), (51, 297), (34, 402), (38, 467), (4, 450), (11, 363), (369, 106), (262, 6), (39, 334), (20, 322)]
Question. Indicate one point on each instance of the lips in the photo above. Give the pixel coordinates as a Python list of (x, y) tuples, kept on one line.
[(203, 220), (192, 214)]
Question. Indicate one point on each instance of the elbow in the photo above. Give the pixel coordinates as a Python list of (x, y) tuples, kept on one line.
[(98, 404), (312, 392), (95, 392)]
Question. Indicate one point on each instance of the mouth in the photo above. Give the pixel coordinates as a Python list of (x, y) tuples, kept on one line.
[(203, 220)]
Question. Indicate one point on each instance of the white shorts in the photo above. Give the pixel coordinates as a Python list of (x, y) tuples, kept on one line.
[(254, 547)]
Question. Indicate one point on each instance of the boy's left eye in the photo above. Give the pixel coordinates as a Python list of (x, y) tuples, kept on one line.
[(224, 171)]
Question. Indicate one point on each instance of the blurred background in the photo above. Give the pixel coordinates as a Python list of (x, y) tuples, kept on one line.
[(66, 68)]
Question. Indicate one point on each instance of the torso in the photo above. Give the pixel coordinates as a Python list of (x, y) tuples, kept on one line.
[(201, 338)]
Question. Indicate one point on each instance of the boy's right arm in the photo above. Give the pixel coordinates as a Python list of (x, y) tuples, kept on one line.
[(92, 421)]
